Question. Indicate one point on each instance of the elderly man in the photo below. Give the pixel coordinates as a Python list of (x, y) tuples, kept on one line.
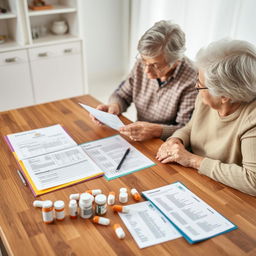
[(161, 85)]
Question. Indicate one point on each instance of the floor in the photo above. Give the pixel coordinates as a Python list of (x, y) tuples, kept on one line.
[(102, 93)]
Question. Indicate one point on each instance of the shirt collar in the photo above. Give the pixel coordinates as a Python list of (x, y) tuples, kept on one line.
[(172, 76)]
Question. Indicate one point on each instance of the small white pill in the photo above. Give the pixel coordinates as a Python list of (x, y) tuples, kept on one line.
[(38, 203), (101, 220)]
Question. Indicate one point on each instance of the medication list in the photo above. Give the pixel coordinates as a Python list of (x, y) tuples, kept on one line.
[(195, 219), (147, 225)]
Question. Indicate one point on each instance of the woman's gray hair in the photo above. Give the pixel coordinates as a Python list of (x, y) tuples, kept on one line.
[(164, 37), (229, 67)]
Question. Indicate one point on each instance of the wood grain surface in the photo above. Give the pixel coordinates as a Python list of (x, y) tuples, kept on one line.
[(23, 232)]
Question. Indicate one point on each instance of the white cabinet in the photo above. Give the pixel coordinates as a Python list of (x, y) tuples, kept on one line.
[(47, 66), (56, 71), (16, 87)]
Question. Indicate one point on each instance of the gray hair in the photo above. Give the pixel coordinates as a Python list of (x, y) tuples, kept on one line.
[(230, 69), (164, 37)]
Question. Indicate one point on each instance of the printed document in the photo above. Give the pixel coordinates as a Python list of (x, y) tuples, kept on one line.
[(49, 157), (108, 152), (108, 119), (60, 167), (147, 225), (195, 219), (40, 141)]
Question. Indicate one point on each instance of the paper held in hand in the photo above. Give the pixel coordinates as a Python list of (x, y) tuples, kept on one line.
[(108, 119)]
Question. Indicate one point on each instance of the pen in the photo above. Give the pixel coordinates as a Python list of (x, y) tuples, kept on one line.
[(22, 178), (123, 158)]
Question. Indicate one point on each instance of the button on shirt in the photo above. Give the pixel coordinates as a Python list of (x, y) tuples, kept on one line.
[(169, 103)]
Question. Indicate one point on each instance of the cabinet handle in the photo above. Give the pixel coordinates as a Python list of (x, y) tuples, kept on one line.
[(9, 60), (69, 50), (43, 54)]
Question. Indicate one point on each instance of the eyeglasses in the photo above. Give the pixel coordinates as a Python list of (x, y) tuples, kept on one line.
[(200, 88), (155, 66)]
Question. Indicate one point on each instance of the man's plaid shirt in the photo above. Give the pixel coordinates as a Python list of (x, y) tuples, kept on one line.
[(170, 104)]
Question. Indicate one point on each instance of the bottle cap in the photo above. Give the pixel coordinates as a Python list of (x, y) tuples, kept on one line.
[(100, 199), (86, 198), (59, 204), (123, 190), (72, 202), (47, 204)]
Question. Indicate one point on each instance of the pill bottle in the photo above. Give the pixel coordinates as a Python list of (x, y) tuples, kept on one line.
[(135, 194), (119, 231), (59, 207), (101, 206), (123, 197), (101, 220), (85, 205), (94, 192), (72, 209), (120, 208), (47, 212), (111, 198)]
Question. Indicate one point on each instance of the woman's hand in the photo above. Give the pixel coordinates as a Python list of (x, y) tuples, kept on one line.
[(174, 151)]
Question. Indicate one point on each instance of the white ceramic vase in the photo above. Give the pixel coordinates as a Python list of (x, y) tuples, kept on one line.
[(59, 27)]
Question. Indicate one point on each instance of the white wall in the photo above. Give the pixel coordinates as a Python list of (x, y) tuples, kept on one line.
[(105, 26), (203, 21)]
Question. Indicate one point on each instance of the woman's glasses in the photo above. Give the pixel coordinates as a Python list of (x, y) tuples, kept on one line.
[(200, 88)]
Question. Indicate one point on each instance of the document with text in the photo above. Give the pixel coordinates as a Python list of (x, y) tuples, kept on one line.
[(50, 159), (40, 141), (195, 219), (148, 225), (108, 152), (108, 119)]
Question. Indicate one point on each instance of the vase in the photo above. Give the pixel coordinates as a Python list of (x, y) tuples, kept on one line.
[(59, 27)]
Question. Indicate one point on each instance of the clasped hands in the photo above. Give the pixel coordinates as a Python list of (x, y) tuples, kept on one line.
[(173, 150)]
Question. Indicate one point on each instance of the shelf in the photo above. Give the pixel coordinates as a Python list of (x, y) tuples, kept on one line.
[(8, 15), (9, 45), (49, 39), (55, 10)]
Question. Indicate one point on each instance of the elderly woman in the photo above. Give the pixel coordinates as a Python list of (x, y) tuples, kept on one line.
[(161, 85), (222, 131)]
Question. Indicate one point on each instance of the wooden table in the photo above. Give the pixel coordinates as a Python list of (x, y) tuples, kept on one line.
[(23, 232)]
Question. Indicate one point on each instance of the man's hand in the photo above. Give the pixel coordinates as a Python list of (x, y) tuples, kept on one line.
[(111, 108), (140, 131), (174, 151)]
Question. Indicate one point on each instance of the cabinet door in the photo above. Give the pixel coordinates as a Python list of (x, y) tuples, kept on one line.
[(16, 89), (56, 71)]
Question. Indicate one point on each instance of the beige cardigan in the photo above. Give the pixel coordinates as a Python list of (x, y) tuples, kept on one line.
[(227, 143)]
